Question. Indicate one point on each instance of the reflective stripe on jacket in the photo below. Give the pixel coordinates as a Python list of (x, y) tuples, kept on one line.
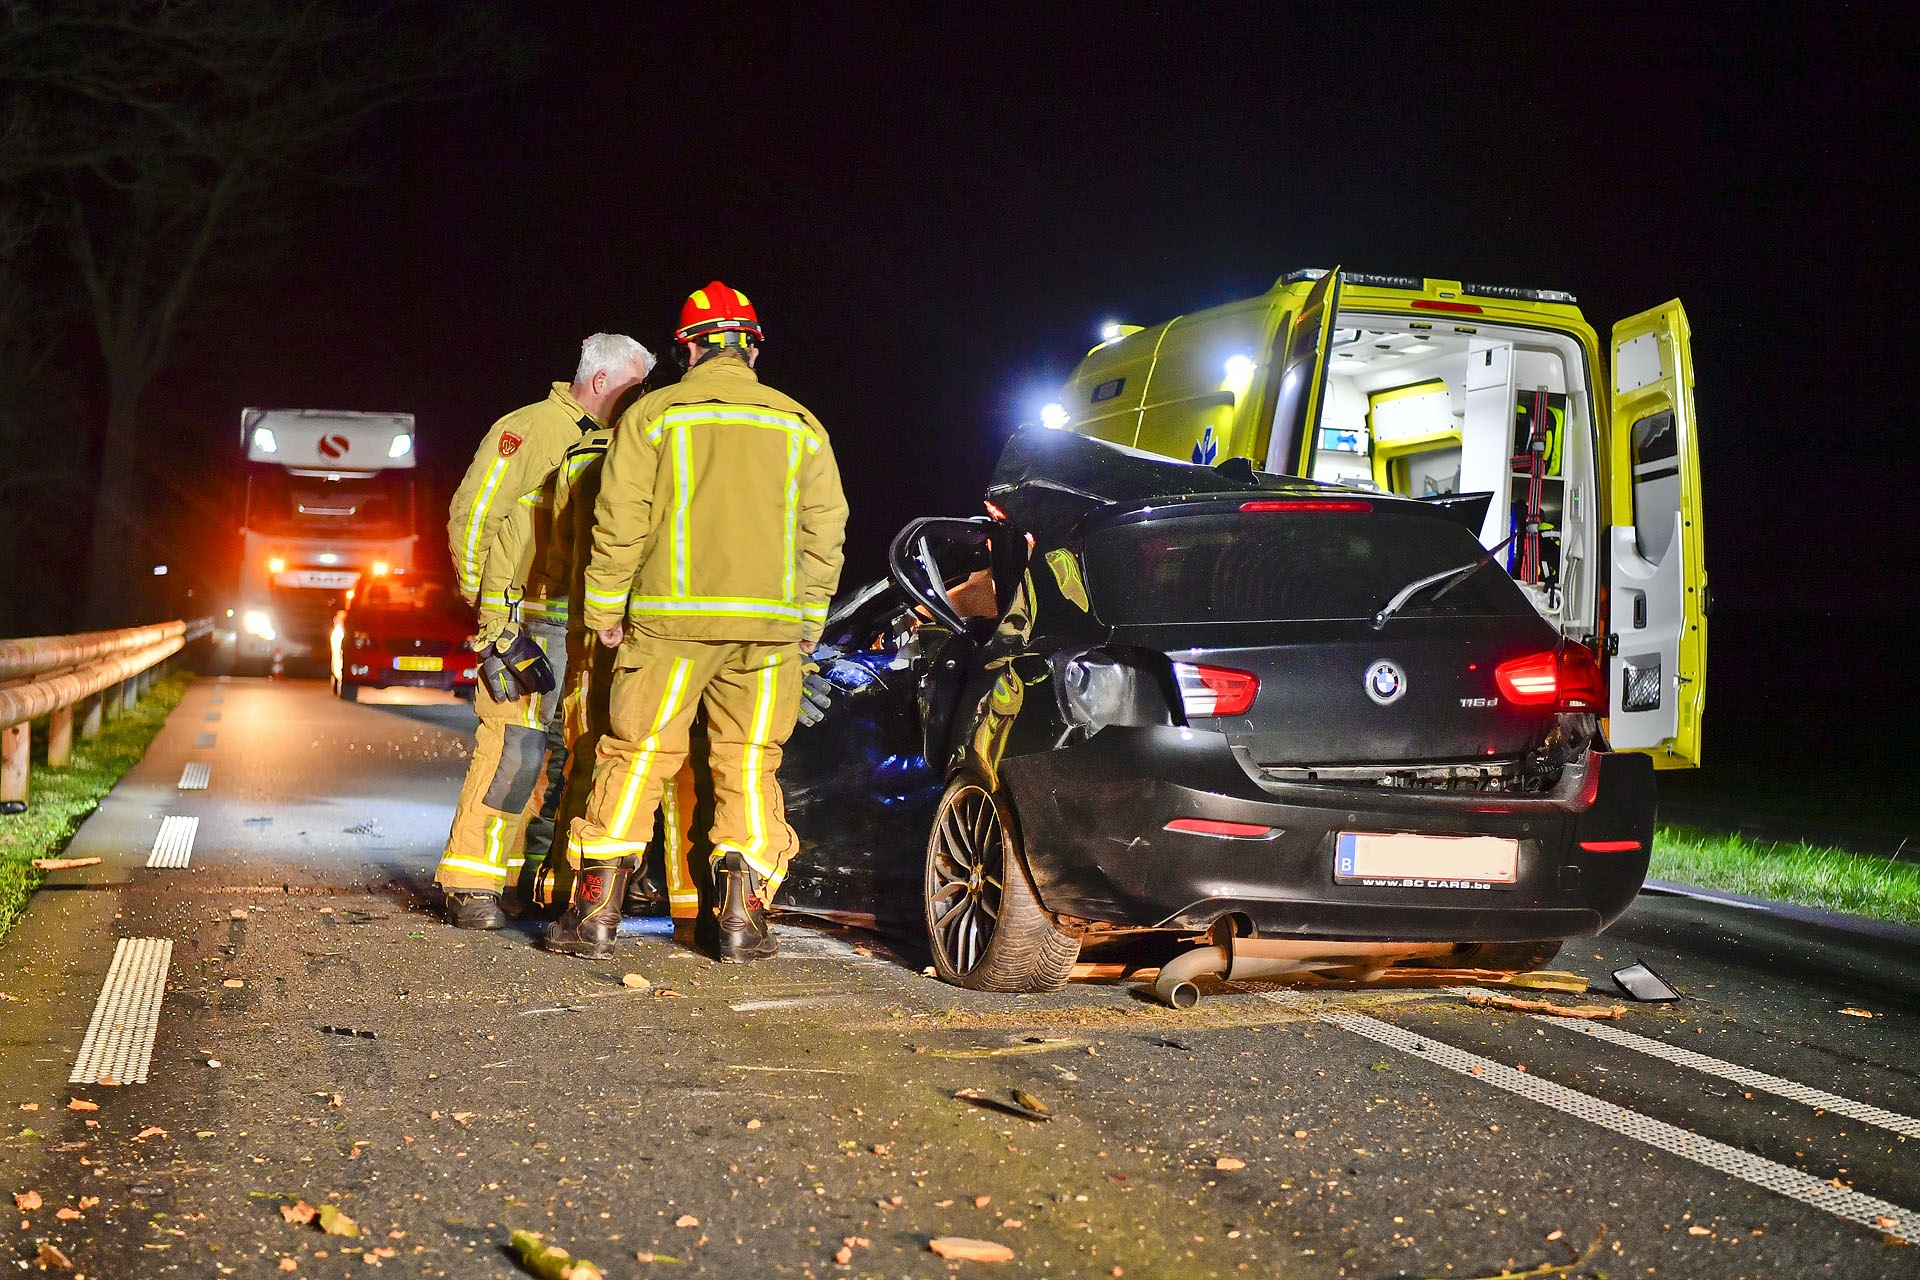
[(495, 529), (720, 515), (576, 485)]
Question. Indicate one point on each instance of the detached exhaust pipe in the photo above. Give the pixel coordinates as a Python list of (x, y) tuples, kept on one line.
[(1239, 959)]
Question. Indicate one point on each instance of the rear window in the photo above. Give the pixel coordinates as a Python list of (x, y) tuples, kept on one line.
[(1286, 567)]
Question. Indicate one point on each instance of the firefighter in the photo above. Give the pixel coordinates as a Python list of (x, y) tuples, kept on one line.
[(495, 528), (583, 713), (716, 546)]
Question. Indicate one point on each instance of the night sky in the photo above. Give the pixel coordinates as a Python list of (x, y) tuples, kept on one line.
[(934, 208)]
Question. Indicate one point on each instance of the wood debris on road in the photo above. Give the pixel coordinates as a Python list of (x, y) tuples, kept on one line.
[(1487, 1000)]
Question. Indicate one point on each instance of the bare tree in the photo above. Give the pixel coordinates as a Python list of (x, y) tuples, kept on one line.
[(145, 138)]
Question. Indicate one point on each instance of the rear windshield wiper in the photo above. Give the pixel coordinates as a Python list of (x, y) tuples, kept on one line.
[(1452, 577)]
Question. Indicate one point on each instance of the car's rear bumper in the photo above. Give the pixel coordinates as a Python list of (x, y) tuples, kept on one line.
[(1093, 820), (376, 675)]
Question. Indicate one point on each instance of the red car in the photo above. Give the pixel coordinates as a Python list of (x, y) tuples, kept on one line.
[(401, 632)]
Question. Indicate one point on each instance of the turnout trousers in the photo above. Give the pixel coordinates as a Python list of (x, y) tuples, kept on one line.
[(584, 721), (505, 786), (751, 694)]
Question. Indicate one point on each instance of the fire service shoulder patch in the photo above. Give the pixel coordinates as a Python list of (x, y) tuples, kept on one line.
[(509, 444)]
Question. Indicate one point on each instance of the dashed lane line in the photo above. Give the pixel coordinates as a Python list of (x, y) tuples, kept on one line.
[(1792, 1090), (119, 1040), (1842, 1202), (196, 776), (1779, 1086), (173, 847)]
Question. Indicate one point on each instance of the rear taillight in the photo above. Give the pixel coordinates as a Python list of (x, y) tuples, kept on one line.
[(1567, 679), (1583, 687), (1307, 504), (1215, 691)]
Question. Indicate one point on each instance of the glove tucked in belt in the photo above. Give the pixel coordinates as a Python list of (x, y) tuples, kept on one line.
[(512, 663), (494, 623)]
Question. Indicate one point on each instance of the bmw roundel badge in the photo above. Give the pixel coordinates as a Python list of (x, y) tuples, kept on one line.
[(1385, 682)]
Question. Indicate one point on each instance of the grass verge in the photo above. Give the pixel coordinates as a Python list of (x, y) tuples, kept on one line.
[(1828, 879), (59, 800)]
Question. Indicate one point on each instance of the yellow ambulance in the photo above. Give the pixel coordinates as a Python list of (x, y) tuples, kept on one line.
[(1431, 388)]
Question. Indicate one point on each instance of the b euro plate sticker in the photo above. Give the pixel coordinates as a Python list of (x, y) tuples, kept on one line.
[(1400, 861)]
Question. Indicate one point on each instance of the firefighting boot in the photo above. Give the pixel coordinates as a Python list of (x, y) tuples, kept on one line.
[(644, 897), (525, 898), (592, 922), (686, 931), (743, 914), (474, 909)]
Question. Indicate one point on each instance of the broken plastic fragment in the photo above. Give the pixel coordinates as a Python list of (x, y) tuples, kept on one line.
[(1644, 984)]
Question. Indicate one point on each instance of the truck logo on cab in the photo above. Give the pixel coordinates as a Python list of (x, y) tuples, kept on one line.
[(335, 446)]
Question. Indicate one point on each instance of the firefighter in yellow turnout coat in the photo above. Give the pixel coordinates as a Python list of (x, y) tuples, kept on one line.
[(716, 547), (495, 530), (584, 713)]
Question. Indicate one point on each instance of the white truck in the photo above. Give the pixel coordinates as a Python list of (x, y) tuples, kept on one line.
[(329, 503)]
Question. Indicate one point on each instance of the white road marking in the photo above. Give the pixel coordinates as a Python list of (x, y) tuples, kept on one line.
[(1865, 1112), (196, 776), (1842, 1202), (119, 1040), (1791, 1090), (173, 847), (1718, 899)]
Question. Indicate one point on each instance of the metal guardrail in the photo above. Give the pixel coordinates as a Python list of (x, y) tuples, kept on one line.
[(100, 672)]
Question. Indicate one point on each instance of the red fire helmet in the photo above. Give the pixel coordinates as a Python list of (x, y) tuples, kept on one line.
[(717, 309)]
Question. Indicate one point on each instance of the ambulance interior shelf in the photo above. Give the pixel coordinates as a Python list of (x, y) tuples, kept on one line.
[(1419, 412)]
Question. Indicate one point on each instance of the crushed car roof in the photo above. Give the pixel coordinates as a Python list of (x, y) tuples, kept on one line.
[(1048, 481)]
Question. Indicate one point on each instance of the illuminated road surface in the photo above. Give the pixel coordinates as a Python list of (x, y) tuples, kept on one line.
[(322, 1038)]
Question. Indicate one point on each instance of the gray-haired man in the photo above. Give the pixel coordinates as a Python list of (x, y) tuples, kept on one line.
[(497, 526)]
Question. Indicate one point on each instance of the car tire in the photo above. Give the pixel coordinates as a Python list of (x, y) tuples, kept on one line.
[(985, 924), (348, 692), (1515, 957)]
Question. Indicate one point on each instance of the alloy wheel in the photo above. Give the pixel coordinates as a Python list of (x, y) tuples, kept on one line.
[(965, 870)]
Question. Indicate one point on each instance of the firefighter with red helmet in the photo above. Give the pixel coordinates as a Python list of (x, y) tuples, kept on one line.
[(716, 547)]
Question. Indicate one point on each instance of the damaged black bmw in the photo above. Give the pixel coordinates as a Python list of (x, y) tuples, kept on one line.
[(1311, 726)]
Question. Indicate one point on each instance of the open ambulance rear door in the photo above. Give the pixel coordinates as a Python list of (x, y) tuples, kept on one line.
[(1297, 377), (1658, 586)]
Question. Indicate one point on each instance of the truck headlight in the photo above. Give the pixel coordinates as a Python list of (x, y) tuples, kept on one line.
[(258, 623)]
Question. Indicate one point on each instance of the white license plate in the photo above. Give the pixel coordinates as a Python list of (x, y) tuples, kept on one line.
[(1425, 862), (317, 579)]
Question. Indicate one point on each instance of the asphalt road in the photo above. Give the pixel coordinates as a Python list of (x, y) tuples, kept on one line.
[(760, 1120)]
